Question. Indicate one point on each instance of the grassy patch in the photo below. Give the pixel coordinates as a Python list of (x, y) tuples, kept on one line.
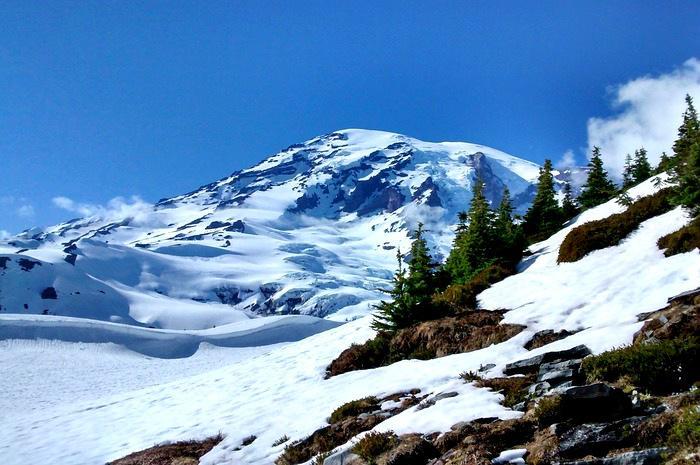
[(659, 368), (167, 454), (280, 441), (610, 231), (685, 434), (684, 240), (373, 444), (354, 408), (514, 389), (461, 297), (548, 410)]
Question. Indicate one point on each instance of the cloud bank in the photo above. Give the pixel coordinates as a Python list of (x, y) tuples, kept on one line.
[(649, 111), (119, 207)]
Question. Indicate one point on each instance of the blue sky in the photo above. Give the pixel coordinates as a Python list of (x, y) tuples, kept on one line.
[(104, 99)]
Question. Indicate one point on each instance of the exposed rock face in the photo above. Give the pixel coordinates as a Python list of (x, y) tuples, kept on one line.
[(680, 318), (594, 401), (638, 457), (532, 365)]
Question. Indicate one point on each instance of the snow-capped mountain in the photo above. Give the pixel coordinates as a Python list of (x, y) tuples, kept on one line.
[(313, 229)]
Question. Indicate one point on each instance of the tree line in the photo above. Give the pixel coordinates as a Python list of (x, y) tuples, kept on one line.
[(490, 242)]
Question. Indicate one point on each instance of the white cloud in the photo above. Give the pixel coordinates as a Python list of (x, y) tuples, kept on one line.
[(4, 234), (568, 160), (118, 208), (26, 211), (649, 111)]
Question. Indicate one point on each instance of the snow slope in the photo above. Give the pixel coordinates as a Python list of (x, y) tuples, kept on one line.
[(282, 390), (312, 229)]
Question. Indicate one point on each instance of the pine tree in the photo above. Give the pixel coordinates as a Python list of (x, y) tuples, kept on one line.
[(509, 240), (665, 163), (627, 173), (686, 170), (641, 169), (544, 216), (687, 132), (569, 206), (598, 188), (472, 249), (412, 292)]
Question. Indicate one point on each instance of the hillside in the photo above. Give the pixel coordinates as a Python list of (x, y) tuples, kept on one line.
[(282, 391)]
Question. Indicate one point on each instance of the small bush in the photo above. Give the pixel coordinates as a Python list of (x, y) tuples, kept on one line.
[(610, 231), (685, 434), (659, 368), (469, 376), (320, 458), (548, 410), (514, 389), (354, 408), (684, 240), (280, 441), (463, 296), (373, 444), (371, 354)]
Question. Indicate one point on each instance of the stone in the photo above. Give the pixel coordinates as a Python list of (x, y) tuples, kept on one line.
[(413, 450), (594, 402), (532, 365), (596, 438), (342, 457), (637, 457)]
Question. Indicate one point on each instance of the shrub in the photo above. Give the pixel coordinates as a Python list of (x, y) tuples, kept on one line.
[(661, 367), (684, 240), (463, 296), (686, 432), (321, 458), (610, 231), (469, 376), (354, 408), (514, 389), (371, 354), (280, 441), (548, 410), (170, 453), (373, 444)]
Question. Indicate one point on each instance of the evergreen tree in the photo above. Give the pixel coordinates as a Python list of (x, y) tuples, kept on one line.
[(412, 292), (598, 188), (569, 206), (641, 169), (472, 249), (544, 216), (686, 170), (627, 173), (665, 163), (509, 240), (687, 132)]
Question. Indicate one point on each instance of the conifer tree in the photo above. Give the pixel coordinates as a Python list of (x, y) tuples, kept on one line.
[(509, 240), (472, 249), (544, 216), (569, 205), (598, 188), (627, 173), (686, 170), (665, 163), (641, 169), (687, 132), (412, 291)]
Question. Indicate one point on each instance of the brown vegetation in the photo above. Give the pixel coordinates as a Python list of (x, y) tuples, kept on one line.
[(610, 231), (178, 453), (684, 240)]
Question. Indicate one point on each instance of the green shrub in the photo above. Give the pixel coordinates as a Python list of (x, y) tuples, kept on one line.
[(610, 231), (280, 441), (685, 434), (372, 354), (548, 410), (373, 444), (659, 368), (463, 296), (469, 376), (354, 408), (684, 240)]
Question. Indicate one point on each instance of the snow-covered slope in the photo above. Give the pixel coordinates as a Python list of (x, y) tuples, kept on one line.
[(281, 391), (312, 229)]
